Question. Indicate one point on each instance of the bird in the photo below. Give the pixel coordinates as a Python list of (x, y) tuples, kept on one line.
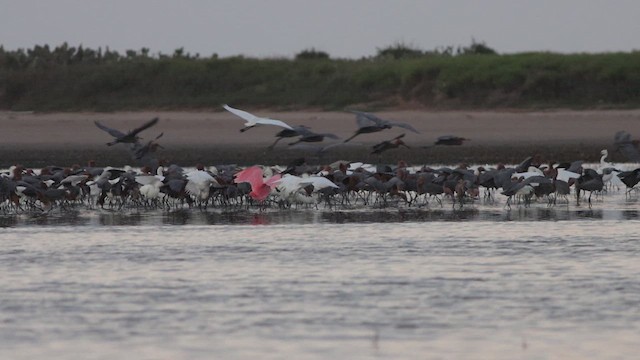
[(309, 136), (450, 140), (252, 120), (306, 135), (630, 179), (629, 148), (589, 181), (139, 151), (131, 137), (260, 189), (369, 123), (287, 133), (389, 144), (609, 171)]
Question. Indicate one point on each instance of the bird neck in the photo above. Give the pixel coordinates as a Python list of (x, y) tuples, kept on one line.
[(604, 156)]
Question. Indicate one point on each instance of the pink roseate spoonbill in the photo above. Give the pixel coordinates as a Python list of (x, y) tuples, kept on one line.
[(252, 120), (131, 137), (260, 189)]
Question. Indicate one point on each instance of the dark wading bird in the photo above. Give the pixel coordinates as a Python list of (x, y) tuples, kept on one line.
[(450, 140), (369, 123), (252, 120), (131, 137)]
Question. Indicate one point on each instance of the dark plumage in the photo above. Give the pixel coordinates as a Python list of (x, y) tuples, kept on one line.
[(369, 123), (450, 140), (131, 137)]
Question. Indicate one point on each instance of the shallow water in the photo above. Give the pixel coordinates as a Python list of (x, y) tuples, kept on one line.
[(400, 283)]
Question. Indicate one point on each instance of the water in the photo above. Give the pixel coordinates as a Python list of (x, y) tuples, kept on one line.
[(480, 283)]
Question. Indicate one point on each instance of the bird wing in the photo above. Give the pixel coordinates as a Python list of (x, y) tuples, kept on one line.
[(113, 132), (525, 175), (253, 120), (146, 125), (266, 121), (289, 184), (320, 182), (74, 179), (369, 116), (363, 120), (565, 175), (200, 177), (252, 175), (248, 117), (273, 181), (629, 151), (404, 126), (304, 131), (147, 179), (330, 136)]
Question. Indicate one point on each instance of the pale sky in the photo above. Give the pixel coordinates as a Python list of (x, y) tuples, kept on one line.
[(343, 28)]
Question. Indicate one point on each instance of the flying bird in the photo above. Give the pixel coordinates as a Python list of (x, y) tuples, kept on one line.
[(369, 123), (625, 145), (451, 140), (131, 137), (389, 144), (252, 120), (309, 136)]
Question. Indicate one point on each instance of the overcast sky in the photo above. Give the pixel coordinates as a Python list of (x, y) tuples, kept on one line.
[(343, 28)]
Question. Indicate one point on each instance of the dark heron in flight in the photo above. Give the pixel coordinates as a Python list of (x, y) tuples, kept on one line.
[(369, 123), (131, 137), (309, 136), (451, 140), (626, 146), (389, 144)]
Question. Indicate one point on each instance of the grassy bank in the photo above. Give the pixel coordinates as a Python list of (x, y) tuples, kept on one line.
[(68, 78)]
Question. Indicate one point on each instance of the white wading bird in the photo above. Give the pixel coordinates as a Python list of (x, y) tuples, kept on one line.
[(252, 120), (290, 187)]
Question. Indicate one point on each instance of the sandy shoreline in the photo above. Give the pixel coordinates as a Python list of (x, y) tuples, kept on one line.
[(37, 139)]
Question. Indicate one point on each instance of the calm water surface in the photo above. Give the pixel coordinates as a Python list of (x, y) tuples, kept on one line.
[(488, 283)]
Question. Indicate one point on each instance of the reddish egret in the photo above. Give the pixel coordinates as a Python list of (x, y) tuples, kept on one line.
[(369, 123), (389, 144), (131, 137)]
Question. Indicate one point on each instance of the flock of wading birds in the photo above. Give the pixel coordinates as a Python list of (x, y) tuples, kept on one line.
[(341, 184)]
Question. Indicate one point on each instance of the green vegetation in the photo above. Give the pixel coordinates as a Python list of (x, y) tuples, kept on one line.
[(77, 78)]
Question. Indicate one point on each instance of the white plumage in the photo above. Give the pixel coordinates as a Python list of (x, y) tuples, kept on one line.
[(252, 120)]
